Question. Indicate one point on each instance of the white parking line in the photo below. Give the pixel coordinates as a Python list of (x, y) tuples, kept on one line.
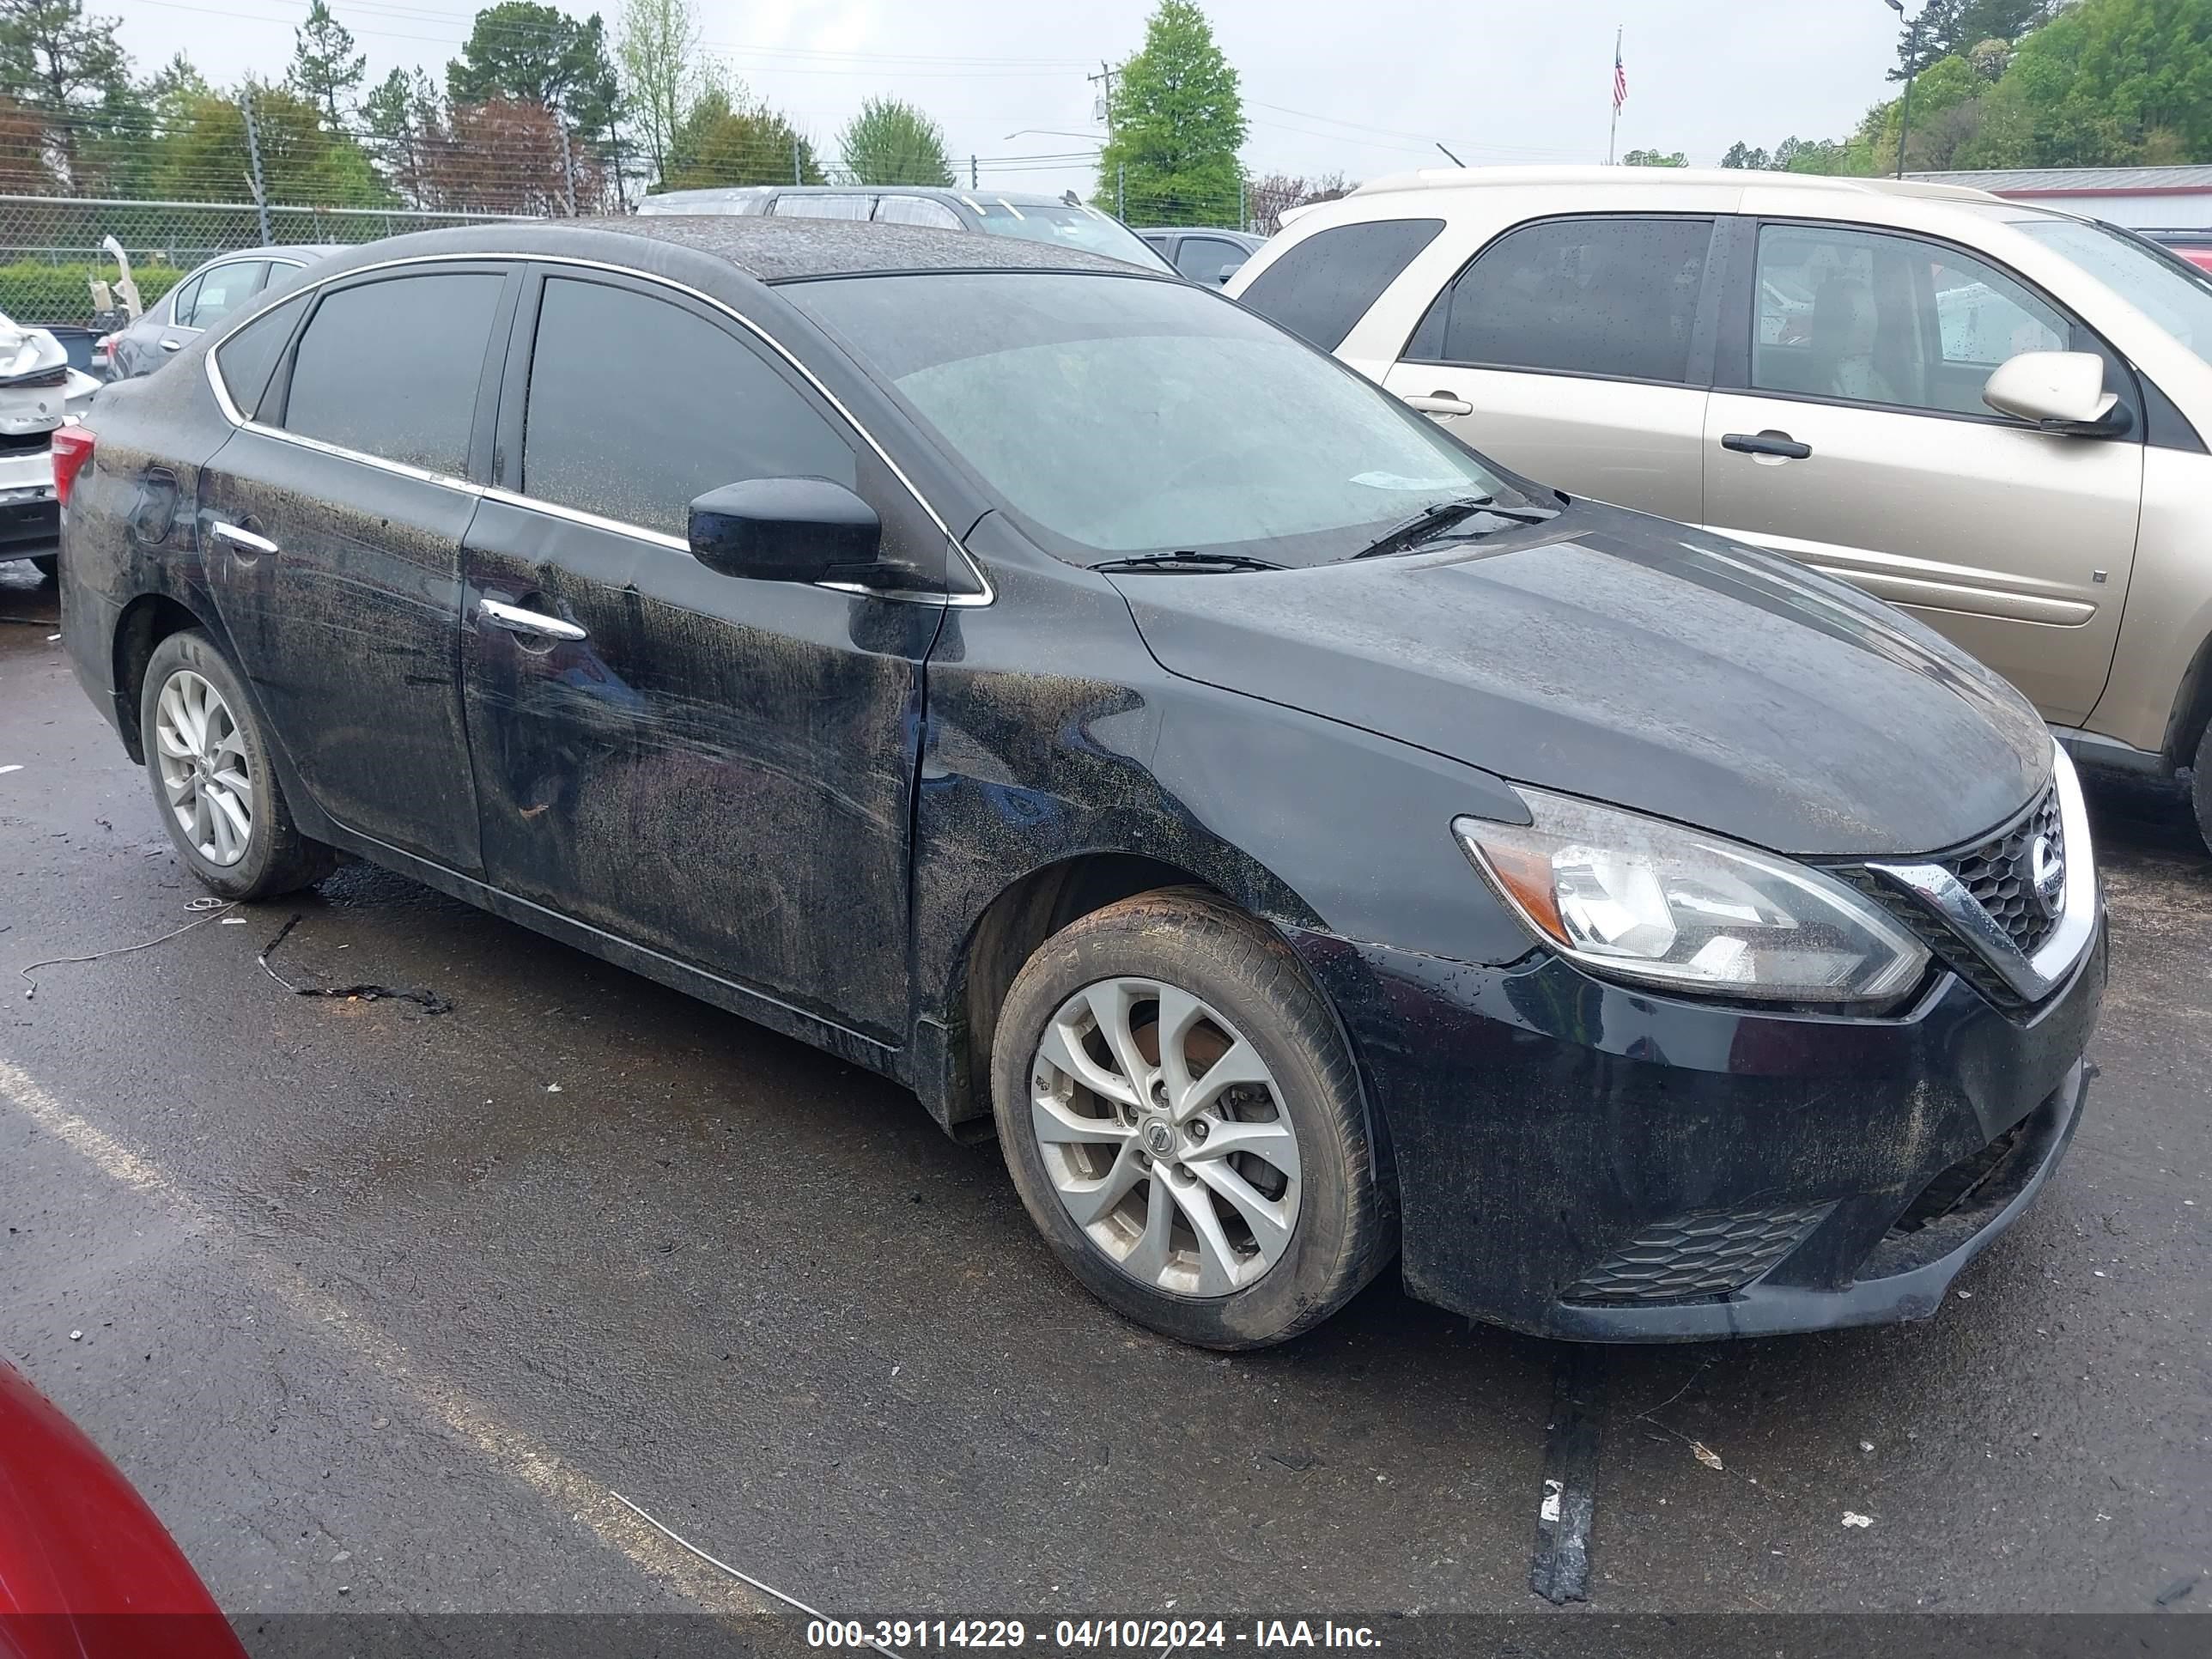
[(617, 1523)]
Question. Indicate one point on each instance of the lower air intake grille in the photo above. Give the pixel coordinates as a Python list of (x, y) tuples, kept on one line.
[(1710, 1253)]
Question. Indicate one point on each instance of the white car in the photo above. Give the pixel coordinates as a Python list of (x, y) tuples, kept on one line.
[(39, 391), (1992, 415)]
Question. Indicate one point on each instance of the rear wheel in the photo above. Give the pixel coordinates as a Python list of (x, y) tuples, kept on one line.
[(217, 794), (1184, 1126), (2200, 790)]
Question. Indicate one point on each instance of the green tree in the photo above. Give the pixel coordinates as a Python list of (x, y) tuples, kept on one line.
[(1174, 126), (728, 138), (325, 69), (1741, 154), (1953, 29), (401, 113), (60, 63), (206, 158), (659, 56), (535, 54), (891, 142), (1654, 158), (2104, 82)]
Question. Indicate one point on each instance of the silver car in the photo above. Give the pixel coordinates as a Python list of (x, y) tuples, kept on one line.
[(204, 299)]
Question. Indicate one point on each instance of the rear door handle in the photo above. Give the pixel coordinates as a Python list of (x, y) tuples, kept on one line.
[(173, 345), (244, 540), (516, 620), (1438, 402), (1769, 442)]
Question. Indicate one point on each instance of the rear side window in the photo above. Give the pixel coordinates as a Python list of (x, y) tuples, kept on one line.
[(823, 207), (916, 211), (1613, 296), (1202, 258), (1322, 286), (222, 291), (724, 417), (247, 358), (390, 368)]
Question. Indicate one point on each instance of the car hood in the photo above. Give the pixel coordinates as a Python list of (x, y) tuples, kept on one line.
[(1635, 661)]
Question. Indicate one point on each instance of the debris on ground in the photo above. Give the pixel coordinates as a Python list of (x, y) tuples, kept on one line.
[(209, 909), (429, 1000), (1853, 1518), (1705, 1454), (2175, 1591)]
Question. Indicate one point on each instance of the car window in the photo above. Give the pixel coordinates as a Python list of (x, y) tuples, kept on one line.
[(390, 367), (1610, 296), (717, 415), (222, 291), (248, 357), (1064, 224), (916, 211), (1890, 319), (181, 302), (1321, 287), (1091, 410), (796, 206), (1201, 257)]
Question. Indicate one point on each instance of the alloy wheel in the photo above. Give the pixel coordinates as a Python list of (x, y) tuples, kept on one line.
[(1164, 1135), (205, 775)]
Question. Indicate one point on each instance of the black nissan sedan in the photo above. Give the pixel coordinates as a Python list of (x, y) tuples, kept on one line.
[(1303, 842)]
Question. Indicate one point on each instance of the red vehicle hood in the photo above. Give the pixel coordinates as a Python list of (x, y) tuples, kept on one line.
[(85, 1567)]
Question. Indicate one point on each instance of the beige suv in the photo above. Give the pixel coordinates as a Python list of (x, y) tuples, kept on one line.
[(1991, 415)]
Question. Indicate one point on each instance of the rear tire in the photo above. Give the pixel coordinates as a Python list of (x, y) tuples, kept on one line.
[(1134, 1184), (207, 759), (48, 565), (2200, 788)]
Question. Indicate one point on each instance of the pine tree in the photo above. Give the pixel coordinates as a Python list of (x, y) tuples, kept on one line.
[(325, 69), (1175, 123)]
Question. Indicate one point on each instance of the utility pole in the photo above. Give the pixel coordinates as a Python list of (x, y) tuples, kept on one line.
[(1104, 79), (798, 176), (1122, 191), (1911, 74), (972, 184), (568, 166), (253, 159)]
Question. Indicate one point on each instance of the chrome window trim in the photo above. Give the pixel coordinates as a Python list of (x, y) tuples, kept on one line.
[(986, 593), (2031, 978)]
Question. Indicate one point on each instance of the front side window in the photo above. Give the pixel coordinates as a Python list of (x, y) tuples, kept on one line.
[(1202, 259), (1609, 296), (720, 416), (1320, 288), (1117, 416), (1889, 319), (390, 367), (916, 211), (2177, 299)]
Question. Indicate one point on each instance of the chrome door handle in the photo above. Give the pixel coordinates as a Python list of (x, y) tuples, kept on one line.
[(516, 620), (173, 345), (244, 540), (1438, 402)]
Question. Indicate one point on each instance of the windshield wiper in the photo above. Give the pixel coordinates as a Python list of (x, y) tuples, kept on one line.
[(1432, 521), (1196, 564)]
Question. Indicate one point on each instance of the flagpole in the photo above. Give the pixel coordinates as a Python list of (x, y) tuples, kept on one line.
[(1614, 131)]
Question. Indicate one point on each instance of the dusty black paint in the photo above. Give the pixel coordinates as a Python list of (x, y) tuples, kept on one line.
[(850, 816)]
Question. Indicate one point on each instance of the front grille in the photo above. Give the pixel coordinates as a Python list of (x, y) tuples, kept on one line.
[(1708, 1252), (1997, 874)]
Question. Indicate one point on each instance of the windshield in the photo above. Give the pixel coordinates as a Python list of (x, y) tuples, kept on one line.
[(1115, 416), (1063, 225), (2174, 298)]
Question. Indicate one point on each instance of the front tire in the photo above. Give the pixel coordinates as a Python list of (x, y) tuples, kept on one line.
[(1184, 1125), (208, 761)]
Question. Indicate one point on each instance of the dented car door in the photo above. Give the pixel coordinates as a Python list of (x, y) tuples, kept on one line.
[(716, 770)]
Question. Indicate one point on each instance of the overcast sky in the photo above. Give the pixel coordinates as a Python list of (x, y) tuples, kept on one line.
[(1365, 87)]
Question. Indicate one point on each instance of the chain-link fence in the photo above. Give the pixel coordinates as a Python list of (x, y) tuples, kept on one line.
[(51, 246)]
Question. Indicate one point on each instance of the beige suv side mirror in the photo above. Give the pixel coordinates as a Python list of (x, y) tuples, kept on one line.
[(2057, 391)]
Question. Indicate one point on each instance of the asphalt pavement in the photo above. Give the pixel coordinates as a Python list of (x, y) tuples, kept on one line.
[(389, 1309)]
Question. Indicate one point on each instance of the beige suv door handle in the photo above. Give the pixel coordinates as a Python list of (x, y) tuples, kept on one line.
[(1438, 402)]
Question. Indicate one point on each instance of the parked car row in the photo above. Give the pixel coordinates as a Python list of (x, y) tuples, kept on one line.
[(1302, 839), (1991, 415)]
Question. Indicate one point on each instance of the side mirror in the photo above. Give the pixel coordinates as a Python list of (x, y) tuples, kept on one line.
[(1227, 271), (786, 529), (2057, 391)]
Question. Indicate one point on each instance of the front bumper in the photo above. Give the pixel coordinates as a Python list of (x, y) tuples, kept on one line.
[(1578, 1159)]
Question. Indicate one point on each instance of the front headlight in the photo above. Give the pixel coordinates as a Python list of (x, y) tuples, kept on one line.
[(1638, 898)]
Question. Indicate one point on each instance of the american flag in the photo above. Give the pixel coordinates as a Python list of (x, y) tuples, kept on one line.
[(1619, 80)]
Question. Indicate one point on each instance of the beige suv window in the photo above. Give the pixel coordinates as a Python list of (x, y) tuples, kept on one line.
[(1888, 319)]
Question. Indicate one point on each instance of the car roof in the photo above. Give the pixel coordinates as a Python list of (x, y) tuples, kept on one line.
[(943, 192), (767, 249), (1658, 181), (305, 251)]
